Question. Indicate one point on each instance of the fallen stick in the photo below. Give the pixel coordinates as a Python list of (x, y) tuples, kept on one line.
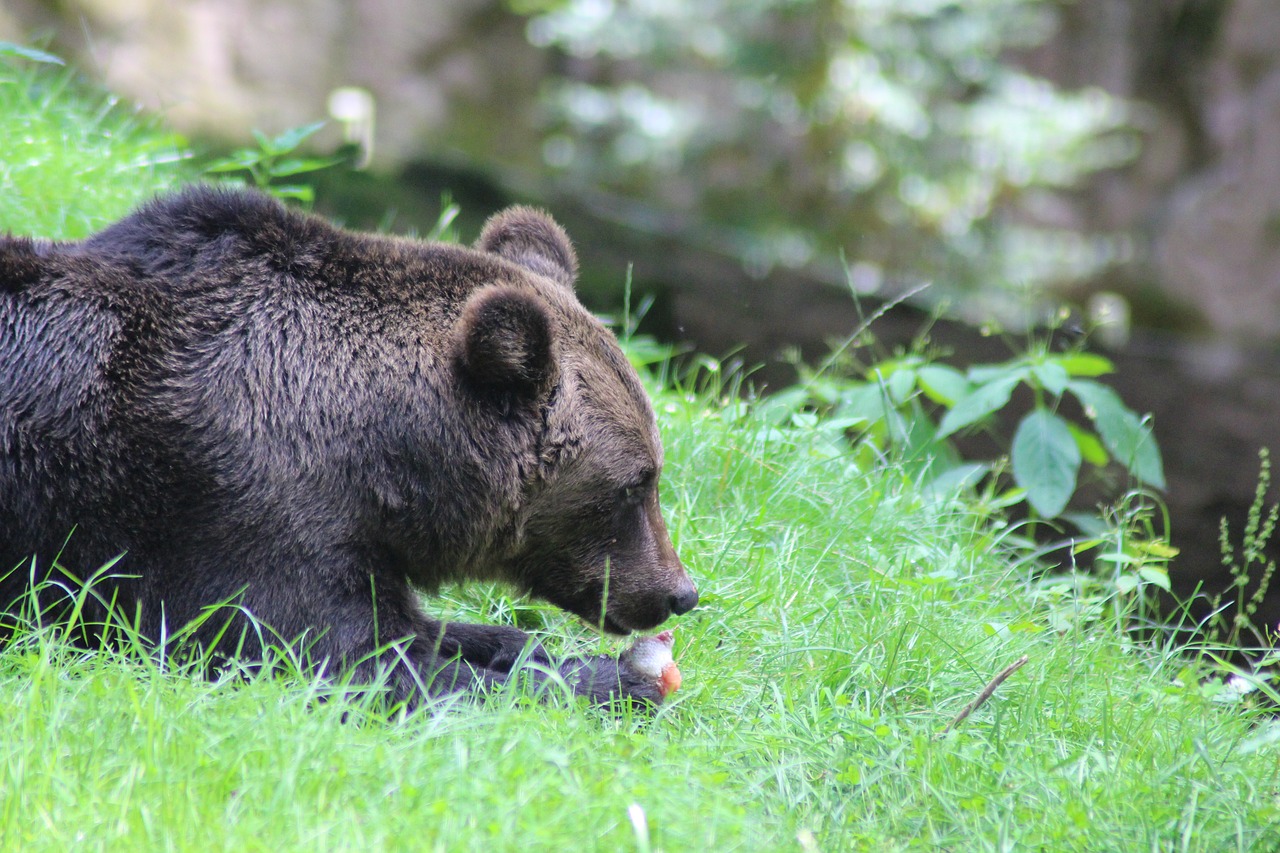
[(985, 694)]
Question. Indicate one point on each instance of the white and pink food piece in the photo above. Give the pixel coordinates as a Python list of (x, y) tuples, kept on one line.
[(652, 658)]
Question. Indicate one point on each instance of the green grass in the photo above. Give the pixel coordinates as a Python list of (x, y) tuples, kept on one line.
[(72, 161), (846, 619)]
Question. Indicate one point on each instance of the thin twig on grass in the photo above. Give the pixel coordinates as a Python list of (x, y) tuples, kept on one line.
[(985, 694)]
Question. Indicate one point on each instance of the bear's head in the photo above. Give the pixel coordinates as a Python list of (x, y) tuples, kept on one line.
[(590, 534)]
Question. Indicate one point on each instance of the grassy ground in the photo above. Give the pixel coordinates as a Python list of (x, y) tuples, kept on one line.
[(846, 619)]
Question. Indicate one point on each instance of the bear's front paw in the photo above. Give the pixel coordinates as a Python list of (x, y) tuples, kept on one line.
[(493, 647), (512, 646), (525, 651), (604, 679)]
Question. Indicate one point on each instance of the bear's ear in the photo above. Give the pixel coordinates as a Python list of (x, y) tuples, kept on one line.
[(533, 240), (504, 342)]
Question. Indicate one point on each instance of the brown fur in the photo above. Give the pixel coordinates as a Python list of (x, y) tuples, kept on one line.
[(257, 407)]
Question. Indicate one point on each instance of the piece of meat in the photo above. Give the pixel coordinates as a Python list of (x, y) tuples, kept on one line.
[(651, 657)]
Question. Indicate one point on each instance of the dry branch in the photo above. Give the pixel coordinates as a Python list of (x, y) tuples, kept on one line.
[(982, 697)]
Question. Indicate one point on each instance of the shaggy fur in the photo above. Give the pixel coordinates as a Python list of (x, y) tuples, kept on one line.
[(257, 407)]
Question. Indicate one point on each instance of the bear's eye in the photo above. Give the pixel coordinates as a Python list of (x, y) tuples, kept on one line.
[(635, 493)]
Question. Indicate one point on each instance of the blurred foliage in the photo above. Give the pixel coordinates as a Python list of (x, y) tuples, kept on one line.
[(272, 160), (894, 132), (74, 159)]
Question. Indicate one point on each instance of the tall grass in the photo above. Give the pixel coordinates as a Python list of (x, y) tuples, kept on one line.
[(847, 617), (845, 621)]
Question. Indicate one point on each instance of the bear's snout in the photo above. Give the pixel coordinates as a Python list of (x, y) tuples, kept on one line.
[(684, 600), (641, 609)]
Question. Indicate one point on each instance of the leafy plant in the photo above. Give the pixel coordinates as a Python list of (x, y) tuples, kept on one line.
[(1234, 624), (897, 401), (275, 158), (1131, 554), (1048, 450)]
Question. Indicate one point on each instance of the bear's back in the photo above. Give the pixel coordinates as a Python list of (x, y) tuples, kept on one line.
[(221, 244)]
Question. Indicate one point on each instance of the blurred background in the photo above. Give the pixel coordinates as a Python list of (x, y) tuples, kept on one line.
[(767, 173)]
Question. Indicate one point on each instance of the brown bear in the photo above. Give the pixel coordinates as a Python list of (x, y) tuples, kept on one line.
[(288, 429)]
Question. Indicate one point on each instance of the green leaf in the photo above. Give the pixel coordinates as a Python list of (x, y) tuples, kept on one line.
[(839, 426), (298, 166), (299, 192), (1128, 437), (777, 409), (1090, 447), (984, 400), (1052, 377), (1156, 576), (1126, 583), (804, 420), (995, 629), (985, 374), (943, 384), (265, 145), (8, 48), (950, 481), (1046, 461), (236, 162), (861, 401), (1085, 544), (1159, 549), (1008, 498), (1085, 364), (1089, 524), (900, 384), (291, 139), (447, 215)]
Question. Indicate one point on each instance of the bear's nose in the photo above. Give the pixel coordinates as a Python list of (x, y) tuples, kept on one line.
[(684, 601)]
